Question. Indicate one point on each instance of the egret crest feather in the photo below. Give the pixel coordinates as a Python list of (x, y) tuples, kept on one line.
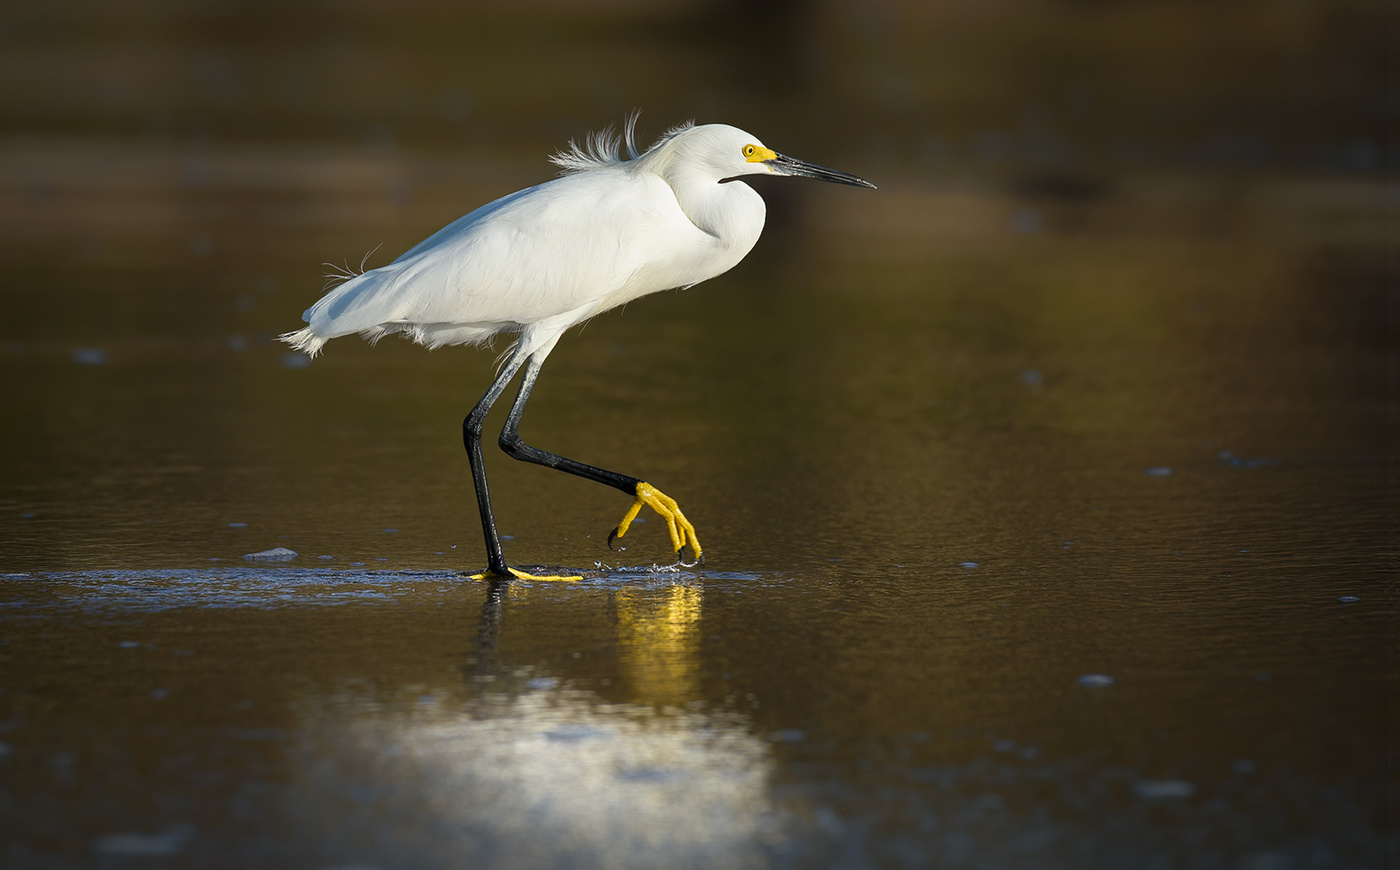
[(602, 148)]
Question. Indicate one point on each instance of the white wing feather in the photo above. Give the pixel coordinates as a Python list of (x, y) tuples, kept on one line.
[(577, 244)]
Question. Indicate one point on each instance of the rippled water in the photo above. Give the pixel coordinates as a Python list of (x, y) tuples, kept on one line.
[(1047, 511)]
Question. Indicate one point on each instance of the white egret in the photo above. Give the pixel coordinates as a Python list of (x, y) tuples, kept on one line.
[(541, 260)]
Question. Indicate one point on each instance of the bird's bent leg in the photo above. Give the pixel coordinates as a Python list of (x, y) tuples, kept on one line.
[(681, 531)]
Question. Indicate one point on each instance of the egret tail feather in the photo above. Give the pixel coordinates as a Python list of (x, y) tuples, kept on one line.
[(304, 340)]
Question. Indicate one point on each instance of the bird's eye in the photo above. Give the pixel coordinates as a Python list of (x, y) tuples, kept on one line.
[(749, 150)]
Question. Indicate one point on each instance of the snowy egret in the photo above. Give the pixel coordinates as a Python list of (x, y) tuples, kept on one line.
[(541, 260)]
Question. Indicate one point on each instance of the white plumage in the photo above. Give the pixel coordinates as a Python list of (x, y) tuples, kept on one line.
[(544, 259)]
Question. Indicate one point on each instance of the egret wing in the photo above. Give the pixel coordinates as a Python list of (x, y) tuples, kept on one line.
[(571, 244)]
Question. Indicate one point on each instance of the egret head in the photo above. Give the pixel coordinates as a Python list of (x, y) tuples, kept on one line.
[(780, 164), (730, 153)]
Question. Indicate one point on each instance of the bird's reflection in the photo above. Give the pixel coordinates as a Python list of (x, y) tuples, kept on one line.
[(651, 630), (488, 628), (659, 643), (600, 760)]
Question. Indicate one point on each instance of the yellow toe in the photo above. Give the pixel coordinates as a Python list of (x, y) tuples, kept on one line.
[(522, 575), (681, 531)]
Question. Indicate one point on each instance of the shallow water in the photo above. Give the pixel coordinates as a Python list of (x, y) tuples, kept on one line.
[(1047, 515)]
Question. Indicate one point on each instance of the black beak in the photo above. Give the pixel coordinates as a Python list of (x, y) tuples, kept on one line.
[(784, 165)]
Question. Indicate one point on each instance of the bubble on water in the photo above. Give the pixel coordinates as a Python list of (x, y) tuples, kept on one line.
[(238, 525), (276, 554), (1094, 681), (90, 356), (1159, 471), (1348, 599), (295, 361)]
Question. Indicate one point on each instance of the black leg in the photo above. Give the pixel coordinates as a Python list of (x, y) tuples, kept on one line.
[(518, 449), (471, 437), (681, 531)]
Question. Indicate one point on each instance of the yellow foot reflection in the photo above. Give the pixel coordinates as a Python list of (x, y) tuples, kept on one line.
[(682, 532), (521, 575)]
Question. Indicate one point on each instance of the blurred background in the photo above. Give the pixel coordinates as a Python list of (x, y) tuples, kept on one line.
[(1045, 489)]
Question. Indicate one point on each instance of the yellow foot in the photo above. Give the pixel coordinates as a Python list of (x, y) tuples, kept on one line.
[(521, 575), (682, 532)]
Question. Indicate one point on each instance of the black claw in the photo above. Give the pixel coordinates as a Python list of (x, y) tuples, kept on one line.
[(612, 536)]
